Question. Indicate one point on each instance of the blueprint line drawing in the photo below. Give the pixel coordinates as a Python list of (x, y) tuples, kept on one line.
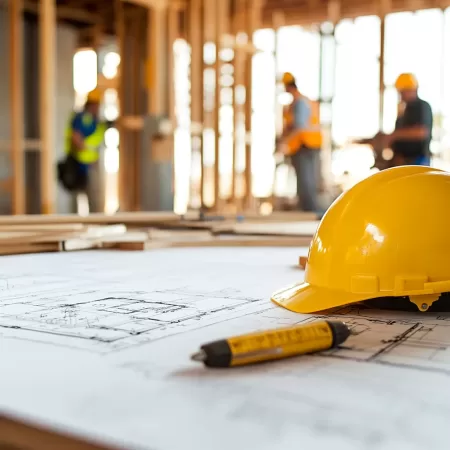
[(415, 340), (113, 322), (100, 343)]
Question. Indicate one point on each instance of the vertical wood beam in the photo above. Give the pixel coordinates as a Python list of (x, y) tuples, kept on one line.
[(156, 33), (235, 28), (208, 28), (47, 79), (384, 8), (238, 107), (381, 70), (253, 21), (137, 35), (222, 11), (278, 21), (217, 67), (173, 33), (122, 176), (196, 42), (16, 97)]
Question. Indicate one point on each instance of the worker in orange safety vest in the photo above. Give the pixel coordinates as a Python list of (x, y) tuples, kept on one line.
[(302, 141)]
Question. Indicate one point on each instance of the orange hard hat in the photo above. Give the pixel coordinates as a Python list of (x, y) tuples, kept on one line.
[(406, 81), (94, 96), (288, 78)]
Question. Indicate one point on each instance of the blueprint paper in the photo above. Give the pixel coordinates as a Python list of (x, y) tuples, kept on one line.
[(98, 344)]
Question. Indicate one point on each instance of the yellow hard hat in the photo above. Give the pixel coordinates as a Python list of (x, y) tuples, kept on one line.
[(386, 240), (94, 96), (288, 78), (406, 81)]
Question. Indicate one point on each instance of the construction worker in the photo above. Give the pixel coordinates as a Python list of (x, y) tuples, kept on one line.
[(84, 136), (410, 141), (302, 141)]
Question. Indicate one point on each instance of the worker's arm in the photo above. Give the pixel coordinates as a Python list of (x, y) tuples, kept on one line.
[(77, 133), (418, 125), (415, 132), (302, 112)]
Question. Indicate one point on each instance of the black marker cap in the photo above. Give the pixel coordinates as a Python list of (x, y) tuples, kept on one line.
[(340, 332)]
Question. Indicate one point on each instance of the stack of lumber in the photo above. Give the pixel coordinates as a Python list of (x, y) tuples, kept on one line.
[(141, 231)]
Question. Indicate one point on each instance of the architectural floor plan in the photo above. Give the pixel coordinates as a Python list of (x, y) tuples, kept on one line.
[(120, 338)]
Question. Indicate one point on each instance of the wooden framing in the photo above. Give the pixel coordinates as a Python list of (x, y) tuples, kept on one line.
[(218, 10), (195, 37), (253, 22), (17, 98), (209, 21), (121, 125), (385, 5), (47, 81)]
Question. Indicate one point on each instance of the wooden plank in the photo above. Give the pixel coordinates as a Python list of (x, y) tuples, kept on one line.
[(17, 97), (135, 123), (66, 13), (63, 227), (95, 218), (20, 249), (149, 3), (47, 82), (270, 229), (11, 238), (20, 434), (225, 241)]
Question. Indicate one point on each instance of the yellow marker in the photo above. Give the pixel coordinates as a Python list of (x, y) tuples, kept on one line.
[(273, 344)]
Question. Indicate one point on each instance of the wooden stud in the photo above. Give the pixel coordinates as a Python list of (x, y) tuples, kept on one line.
[(47, 80), (196, 42), (235, 31), (208, 24), (16, 96), (253, 22), (217, 68), (123, 157), (172, 36), (173, 33), (155, 58), (385, 6), (137, 35), (238, 109)]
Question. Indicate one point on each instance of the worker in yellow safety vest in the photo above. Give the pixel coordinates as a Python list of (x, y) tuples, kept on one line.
[(84, 137), (302, 141)]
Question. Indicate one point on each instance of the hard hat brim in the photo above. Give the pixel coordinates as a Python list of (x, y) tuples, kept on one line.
[(304, 298)]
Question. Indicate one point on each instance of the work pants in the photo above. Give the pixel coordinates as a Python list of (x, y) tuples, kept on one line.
[(306, 163), (88, 198)]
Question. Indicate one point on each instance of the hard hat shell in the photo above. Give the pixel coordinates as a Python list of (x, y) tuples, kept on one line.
[(387, 236), (288, 78), (94, 96), (406, 81)]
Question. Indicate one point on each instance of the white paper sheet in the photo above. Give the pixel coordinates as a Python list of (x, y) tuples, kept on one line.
[(98, 343)]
